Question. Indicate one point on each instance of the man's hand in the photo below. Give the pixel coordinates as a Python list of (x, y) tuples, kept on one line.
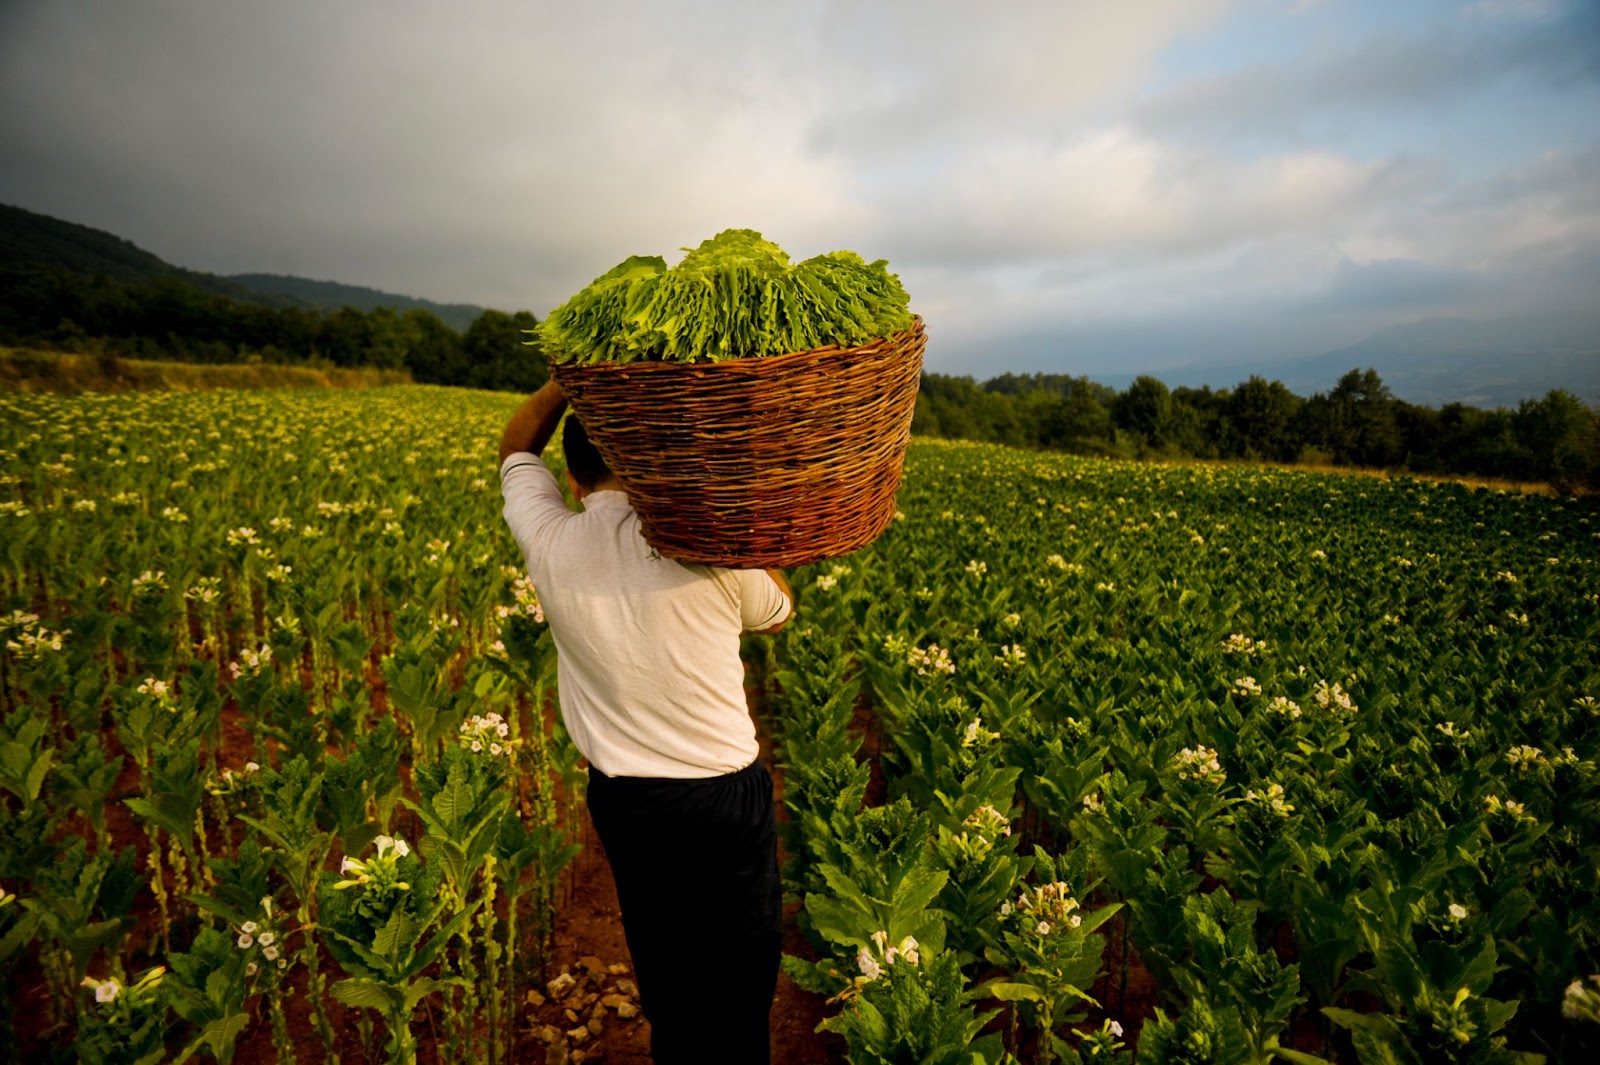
[(534, 423)]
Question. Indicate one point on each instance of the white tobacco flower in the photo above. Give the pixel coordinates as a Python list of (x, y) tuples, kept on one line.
[(1272, 798), (1011, 655), (245, 942), (1199, 764), (988, 822), (157, 688), (870, 969), (1239, 643), (934, 659), (1524, 757), (107, 991), (249, 928), (1246, 686), (1329, 696), (1457, 911), (976, 733), (1286, 707)]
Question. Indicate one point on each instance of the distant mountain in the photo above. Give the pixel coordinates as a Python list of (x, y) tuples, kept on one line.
[(331, 295), (1482, 363), (33, 239), (27, 238)]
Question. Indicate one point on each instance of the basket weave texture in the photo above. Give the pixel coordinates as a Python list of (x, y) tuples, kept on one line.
[(771, 461)]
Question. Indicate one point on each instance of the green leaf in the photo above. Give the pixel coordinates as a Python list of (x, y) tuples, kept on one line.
[(454, 800), (1299, 1057), (421, 989), (1374, 1022), (1009, 991), (369, 994), (220, 1035)]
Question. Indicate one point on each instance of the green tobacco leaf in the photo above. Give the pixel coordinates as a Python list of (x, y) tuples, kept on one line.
[(454, 800), (421, 989), (1351, 1019), (369, 994), (397, 936), (161, 815), (220, 1036), (1299, 1057), (1007, 991)]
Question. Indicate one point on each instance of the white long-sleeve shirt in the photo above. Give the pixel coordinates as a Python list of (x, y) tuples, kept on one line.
[(648, 663)]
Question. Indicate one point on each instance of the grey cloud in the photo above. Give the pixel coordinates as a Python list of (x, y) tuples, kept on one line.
[(1402, 283), (1453, 62)]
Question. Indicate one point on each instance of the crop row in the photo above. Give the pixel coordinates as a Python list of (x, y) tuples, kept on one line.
[(1222, 764), (274, 749)]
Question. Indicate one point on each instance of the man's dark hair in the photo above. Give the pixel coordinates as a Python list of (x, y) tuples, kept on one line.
[(583, 461)]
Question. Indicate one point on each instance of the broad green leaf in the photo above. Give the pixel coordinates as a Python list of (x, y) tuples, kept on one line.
[(370, 994)]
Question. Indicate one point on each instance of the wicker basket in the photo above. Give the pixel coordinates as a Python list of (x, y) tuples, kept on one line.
[(747, 463)]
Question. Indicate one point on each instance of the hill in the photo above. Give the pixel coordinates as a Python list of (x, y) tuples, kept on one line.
[(331, 295), (37, 240), (30, 239)]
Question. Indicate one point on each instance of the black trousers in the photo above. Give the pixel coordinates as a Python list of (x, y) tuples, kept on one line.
[(696, 866)]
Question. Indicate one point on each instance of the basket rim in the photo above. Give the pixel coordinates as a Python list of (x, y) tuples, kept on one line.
[(916, 327)]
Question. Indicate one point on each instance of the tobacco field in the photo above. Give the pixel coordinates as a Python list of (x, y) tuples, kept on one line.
[(1082, 761)]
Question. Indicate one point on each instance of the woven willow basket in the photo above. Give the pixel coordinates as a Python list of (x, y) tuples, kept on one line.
[(771, 461)]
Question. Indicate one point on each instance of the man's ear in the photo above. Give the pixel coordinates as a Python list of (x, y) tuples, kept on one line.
[(577, 489)]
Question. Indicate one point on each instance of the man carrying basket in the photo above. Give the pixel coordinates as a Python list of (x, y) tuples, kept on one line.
[(652, 692)]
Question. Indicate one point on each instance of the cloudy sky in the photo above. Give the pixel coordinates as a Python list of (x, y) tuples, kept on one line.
[(1070, 186)]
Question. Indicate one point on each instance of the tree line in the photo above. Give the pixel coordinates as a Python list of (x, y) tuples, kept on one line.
[(167, 318), (1555, 439)]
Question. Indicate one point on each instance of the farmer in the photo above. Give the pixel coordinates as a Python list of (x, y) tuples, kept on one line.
[(652, 691)]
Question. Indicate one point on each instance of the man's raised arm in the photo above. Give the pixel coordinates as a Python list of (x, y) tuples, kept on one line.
[(783, 584), (534, 423)]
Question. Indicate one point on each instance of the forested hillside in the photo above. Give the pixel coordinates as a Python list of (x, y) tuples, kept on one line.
[(67, 287), (331, 295)]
